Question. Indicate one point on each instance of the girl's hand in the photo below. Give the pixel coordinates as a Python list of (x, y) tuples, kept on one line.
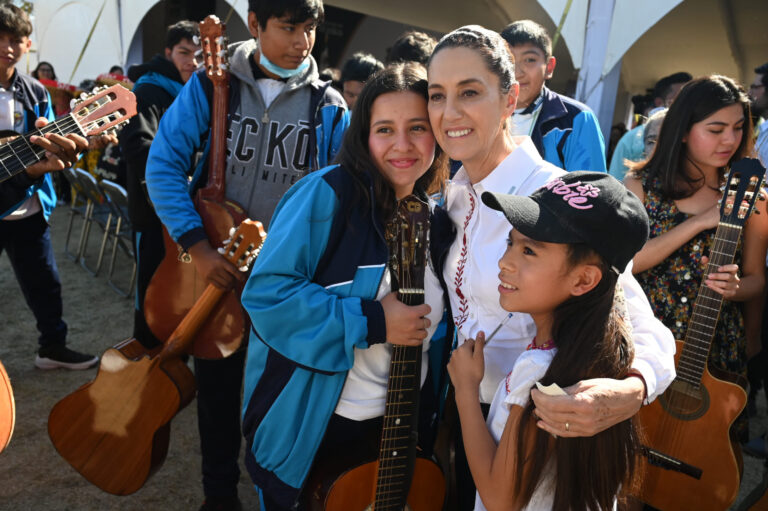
[(710, 218), (725, 281), (467, 366), (406, 324)]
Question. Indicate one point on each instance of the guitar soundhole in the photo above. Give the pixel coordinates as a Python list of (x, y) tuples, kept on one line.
[(685, 401)]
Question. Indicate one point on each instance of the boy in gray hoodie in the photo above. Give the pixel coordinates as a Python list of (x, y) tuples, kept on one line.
[(283, 123)]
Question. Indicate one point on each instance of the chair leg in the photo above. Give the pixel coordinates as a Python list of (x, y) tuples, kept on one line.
[(84, 230), (104, 239)]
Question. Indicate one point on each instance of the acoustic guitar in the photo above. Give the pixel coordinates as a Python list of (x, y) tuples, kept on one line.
[(115, 430), (175, 285), (690, 460), (399, 478), (7, 409), (102, 111)]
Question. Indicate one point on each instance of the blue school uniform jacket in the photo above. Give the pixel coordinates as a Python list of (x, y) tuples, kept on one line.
[(36, 103), (568, 135), (311, 299)]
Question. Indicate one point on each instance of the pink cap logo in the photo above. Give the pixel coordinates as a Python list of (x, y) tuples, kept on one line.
[(575, 194)]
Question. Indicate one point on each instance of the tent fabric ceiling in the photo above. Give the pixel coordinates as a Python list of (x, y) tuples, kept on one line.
[(699, 36)]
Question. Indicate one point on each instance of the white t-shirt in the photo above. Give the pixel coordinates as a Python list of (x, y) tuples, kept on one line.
[(515, 389), (12, 118), (364, 395), (471, 271)]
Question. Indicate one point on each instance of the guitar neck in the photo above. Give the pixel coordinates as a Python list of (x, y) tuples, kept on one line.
[(400, 430), (20, 153), (706, 309), (185, 333)]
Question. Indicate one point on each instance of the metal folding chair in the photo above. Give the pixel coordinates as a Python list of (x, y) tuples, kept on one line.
[(98, 213), (77, 208), (120, 232)]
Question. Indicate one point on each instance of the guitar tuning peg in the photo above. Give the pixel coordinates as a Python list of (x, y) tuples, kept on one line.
[(231, 231), (196, 40), (243, 268), (221, 250), (722, 187)]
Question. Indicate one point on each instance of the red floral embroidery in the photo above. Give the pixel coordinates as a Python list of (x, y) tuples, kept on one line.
[(458, 280)]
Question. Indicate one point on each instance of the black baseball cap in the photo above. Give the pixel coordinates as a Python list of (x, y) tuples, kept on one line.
[(580, 207)]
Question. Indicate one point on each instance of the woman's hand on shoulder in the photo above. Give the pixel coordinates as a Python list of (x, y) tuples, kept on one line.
[(406, 324), (467, 367), (590, 407)]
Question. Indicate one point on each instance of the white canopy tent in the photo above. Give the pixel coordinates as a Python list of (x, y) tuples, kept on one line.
[(610, 48)]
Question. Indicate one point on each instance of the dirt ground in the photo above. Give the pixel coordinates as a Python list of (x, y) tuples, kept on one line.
[(34, 477)]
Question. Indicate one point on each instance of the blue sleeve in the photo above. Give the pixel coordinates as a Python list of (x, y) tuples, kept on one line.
[(334, 121), (630, 147), (178, 138), (585, 148), (300, 319)]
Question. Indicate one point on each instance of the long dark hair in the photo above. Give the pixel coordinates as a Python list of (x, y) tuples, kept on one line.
[(696, 101), (592, 341), (354, 155)]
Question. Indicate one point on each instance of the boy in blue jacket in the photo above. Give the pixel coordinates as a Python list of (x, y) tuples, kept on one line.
[(565, 132), (28, 198), (283, 123)]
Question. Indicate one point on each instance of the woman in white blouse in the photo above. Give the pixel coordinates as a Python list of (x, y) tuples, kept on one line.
[(472, 94)]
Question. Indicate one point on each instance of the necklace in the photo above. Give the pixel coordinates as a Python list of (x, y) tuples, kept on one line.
[(548, 345)]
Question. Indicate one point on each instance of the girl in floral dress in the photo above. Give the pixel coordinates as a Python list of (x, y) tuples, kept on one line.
[(701, 136)]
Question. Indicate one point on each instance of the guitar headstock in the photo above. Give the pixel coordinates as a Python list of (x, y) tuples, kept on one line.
[(244, 244), (742, 190), (214, 47), (104, 109), (407, 235)]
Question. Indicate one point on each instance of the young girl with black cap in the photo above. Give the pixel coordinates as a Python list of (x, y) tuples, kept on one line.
[(571, 240)]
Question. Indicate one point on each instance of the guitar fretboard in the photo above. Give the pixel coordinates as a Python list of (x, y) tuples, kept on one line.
[(400, 431), (20, 153), (706, 309)]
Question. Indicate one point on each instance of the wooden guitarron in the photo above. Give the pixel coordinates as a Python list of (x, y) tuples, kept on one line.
[(102, 111), (398, 479), (115, 430), (690, 460), (175, 285)]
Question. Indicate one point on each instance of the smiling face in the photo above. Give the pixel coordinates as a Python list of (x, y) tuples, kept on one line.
[(400, 140), (532, 69), (712, 142), (285, 44), (535, 277), (467, 109)]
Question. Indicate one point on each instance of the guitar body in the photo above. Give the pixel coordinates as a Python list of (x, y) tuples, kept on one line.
[(693, 426), (354, 489), (7, 409), (115, 430), (176, 286)]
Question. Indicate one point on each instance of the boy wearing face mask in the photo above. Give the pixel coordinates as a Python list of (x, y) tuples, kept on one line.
[(283, 122)]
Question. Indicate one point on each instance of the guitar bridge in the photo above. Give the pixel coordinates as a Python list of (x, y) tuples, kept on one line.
[(661, 460)]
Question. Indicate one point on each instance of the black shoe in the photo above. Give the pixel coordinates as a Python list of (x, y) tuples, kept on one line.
[(222, 504), (58, 355)]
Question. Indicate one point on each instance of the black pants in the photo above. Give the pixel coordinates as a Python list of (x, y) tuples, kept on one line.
[(28, 245), (218, 382)]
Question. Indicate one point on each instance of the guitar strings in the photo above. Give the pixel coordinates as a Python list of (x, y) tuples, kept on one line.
[(670, 427)]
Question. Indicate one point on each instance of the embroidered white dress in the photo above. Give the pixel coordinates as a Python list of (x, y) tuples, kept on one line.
[(471, 273)]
